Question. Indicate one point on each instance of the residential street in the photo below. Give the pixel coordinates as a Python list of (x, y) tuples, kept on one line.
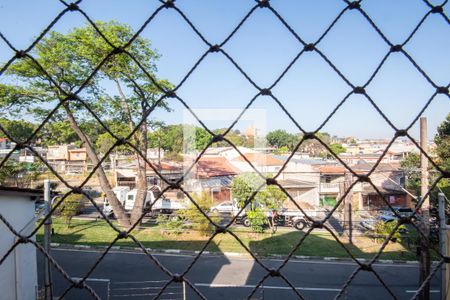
[(134, 276)]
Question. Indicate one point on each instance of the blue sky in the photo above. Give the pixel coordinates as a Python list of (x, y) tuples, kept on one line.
[(264, 48)]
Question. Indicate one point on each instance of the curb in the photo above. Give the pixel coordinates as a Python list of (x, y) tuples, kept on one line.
[(229, 254)]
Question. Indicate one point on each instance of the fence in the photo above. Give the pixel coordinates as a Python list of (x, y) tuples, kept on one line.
[(69, 97)]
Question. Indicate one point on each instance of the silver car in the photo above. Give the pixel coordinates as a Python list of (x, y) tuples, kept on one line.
[(224, 207)]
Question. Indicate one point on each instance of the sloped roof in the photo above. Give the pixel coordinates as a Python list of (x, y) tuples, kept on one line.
[(296, 183), (332, 169), (214, 166), (165, 167), (261, 159)]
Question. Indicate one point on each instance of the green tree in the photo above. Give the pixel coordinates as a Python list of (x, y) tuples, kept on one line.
[(70, 59), (337, 149), (58, 133), (442, 140), (411, 167), (71, 206), (19, 174), (281, 138), (172, 138), (19, 130), (195, 218), (268, 198)]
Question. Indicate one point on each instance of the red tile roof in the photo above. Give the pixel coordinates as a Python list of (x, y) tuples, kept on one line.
[(165, 167), (261, 159), (214, 166), (332, 169)]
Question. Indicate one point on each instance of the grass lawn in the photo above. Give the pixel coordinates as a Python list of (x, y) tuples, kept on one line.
[(98, 233)]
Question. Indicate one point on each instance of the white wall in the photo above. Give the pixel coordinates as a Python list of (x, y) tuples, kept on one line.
[(18, 273)]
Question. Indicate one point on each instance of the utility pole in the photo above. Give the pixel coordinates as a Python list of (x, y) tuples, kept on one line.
[(425, 226), (443, 243), (47, 232), (348, 206)]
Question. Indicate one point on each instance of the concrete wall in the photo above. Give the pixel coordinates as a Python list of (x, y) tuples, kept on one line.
[(18, 273)]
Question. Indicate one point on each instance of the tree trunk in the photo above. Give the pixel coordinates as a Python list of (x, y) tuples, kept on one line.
[(141, 184), (140, 139), (104, 183)]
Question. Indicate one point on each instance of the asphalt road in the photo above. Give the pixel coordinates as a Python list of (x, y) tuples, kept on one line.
[(134, 276)]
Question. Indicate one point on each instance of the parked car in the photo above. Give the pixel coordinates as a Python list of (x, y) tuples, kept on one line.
[(224, 207), (370, 223), (401, 211)]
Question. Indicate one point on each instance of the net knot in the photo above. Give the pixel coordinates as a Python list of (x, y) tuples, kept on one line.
[(354, 5), (20, 145), (366, 267), (271, 181), (404, 220), (396, 48), (442, 90), (175, 185), (446, 174), (437, 9), (121, 141), (266, 92), (122, 235), (274, 273), (220, 229), (363, 178), (78, 284), (214, 48), (317, 224), (263, 3), (169, 4), (71, 96), (23, 240), (177, 278), (447, 259), (401, 132), (77, 190), (309, 47), (73, 7), (171, 94), (21, 54), (217, 138), (118, 50), (359, 90), (309, 135)]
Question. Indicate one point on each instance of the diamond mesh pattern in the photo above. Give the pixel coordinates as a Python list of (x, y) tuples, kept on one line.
[(434, 11)]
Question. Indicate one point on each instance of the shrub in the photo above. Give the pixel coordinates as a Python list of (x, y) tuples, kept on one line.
[(257, 220), (383, 230), (171, 224), (71, 206), (197, 221)]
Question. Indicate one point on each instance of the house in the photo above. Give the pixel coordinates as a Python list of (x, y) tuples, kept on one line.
[(18, 273), (304, 193), (213, 175), (67, 158), (331, 180), (264, 163), (6, 147), (351, 159), (229, 153), (388, 180), (126, 175)]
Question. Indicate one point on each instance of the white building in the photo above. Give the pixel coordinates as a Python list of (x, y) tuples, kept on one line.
[(18, 273)]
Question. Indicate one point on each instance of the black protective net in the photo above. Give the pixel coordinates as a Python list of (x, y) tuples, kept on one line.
[(74, 96)]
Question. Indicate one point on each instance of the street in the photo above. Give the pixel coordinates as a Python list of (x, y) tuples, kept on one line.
[(125, 275)]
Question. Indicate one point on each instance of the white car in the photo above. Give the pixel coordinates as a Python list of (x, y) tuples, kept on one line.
[(224, 207)]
